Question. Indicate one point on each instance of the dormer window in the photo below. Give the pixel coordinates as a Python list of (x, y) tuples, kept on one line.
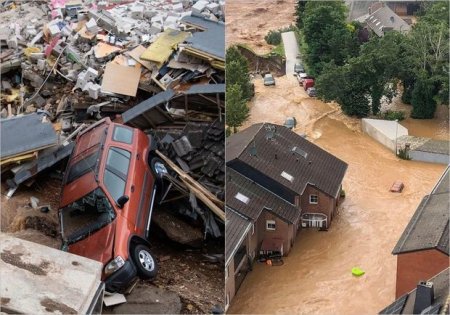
[(242, 198), (287, 176)]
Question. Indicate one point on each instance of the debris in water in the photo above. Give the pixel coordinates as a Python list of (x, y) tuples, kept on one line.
[(357, 272)]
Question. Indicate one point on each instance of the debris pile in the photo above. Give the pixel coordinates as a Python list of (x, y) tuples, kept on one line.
[(198, 150), (153, 65)]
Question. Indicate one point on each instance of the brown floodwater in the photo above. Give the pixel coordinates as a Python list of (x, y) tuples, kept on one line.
[(316, 276)]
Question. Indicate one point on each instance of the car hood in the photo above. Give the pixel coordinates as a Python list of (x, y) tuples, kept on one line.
[(97, 246)]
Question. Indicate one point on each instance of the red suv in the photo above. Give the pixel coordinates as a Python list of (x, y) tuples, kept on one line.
[(107, 200)]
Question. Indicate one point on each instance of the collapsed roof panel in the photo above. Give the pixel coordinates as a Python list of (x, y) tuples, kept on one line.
[(24, 134), (163, 47), (147, 112), (206, 89), (209, 44)]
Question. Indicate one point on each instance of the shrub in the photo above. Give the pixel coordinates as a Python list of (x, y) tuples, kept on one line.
[(274, 37), (342, 193), (393, 115), (228, 132), (403, 154)]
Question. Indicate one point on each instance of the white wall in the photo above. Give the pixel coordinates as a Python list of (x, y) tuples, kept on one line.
[(384, 131)]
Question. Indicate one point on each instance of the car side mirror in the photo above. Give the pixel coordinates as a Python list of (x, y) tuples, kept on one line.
[(122, 201)]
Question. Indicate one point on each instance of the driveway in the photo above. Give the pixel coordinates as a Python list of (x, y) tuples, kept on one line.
[(290, 50)]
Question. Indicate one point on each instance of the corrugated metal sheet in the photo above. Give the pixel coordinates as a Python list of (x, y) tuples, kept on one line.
[(206, 89), (147, 113)]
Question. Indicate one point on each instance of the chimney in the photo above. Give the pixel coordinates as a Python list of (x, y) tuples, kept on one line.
[(424, 296)]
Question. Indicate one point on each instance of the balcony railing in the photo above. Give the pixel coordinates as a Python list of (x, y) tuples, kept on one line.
[(318, 220)]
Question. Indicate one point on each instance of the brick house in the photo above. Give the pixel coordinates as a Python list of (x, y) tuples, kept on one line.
[(430, 297), (423, 249), (291, 167), (277, 182)]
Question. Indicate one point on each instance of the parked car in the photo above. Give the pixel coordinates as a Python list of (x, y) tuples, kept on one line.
[(301, 77), (298, 68), (107, 200), (308, 83), (290, 122), (268, 79), (311, 92)]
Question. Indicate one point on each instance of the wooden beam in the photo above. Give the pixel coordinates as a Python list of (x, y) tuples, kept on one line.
[(189, 181)]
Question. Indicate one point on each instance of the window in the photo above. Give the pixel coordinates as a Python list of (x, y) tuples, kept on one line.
[(114, 184), (287, 176), (242, 198), (85, 216), (253, 229), (313, 199), (85, 165), (123, 134), (270, 225), (226, 271), (119, 159), (116, 172)]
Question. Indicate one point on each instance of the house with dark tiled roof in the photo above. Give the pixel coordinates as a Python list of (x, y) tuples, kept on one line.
[(278, 182), (429, 297), (385, 20), (423, 249)]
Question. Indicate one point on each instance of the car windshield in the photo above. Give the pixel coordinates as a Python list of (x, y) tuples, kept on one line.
[(85, 216)]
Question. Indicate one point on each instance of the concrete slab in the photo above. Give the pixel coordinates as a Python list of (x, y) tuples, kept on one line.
[(37, 279)]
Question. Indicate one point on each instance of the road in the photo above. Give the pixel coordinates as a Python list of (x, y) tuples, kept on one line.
[(290, 50)]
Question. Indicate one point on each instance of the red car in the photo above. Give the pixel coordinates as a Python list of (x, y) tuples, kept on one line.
[(107, 201)]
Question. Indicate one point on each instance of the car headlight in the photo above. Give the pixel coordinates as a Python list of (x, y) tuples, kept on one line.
[(114, 265)]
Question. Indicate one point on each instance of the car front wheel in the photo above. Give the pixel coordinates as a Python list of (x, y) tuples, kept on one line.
[(145, 262)]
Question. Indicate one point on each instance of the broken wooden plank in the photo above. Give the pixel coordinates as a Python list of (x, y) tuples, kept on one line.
[(186, 178)]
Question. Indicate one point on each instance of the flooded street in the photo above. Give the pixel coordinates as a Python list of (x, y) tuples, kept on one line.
[(248, 21), (316, 276)]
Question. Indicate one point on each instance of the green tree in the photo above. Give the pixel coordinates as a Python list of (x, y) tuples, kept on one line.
[(422, 99), (326, 34), (299, 12), (347, 85), (236, 72), (428, 52), (236, 107), (365, 79)]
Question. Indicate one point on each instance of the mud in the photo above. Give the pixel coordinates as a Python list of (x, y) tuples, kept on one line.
[(263, 64), (316, 276), (199, 284), (16, 260), (248, 21), (4, 300), (52, 306)]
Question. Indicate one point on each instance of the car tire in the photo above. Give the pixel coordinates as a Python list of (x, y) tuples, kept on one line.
[(145, 263), (156, 166)]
